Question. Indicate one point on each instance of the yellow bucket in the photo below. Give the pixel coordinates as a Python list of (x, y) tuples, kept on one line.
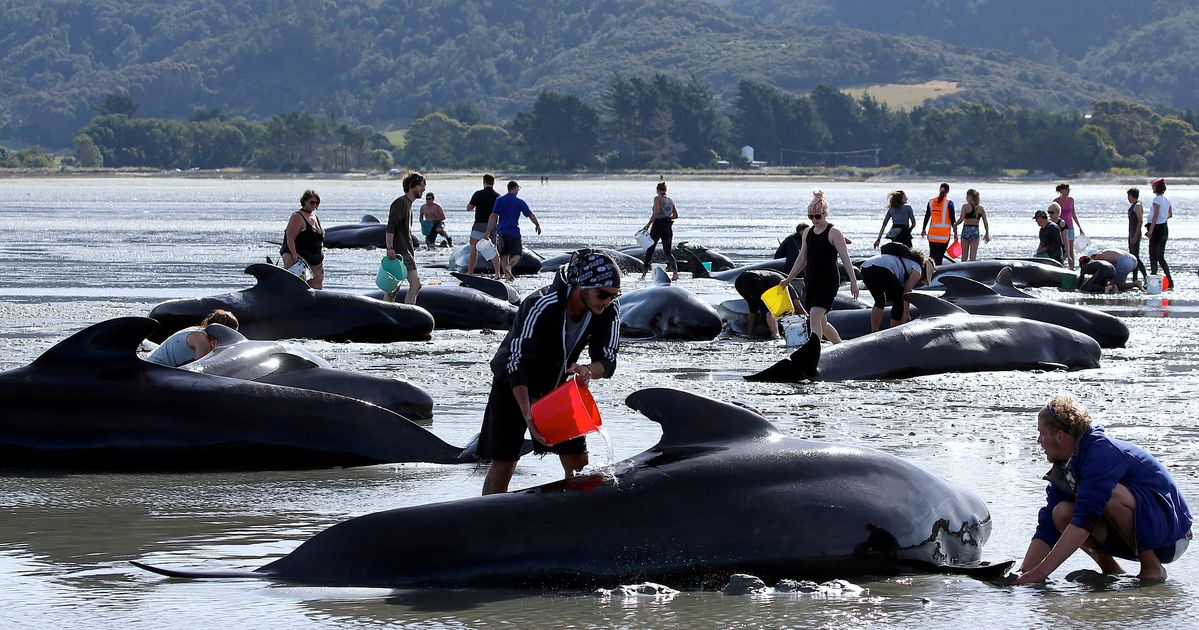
[(778, 300)]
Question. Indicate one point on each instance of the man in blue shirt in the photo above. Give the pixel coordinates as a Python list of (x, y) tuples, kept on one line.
[(1105, 496), (505, 223)]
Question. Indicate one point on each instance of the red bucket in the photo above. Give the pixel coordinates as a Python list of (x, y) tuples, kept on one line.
[(955, 250), (565, 413)]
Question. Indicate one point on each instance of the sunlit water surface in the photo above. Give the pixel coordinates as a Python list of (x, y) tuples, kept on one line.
[(77, 251)]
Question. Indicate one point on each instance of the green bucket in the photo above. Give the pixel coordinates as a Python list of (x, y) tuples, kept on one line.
[(392, 271), (1069, 283)]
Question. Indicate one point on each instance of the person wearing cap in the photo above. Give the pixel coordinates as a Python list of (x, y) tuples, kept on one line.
[(1050, 237), (192, 342), (541, 350), (1105, 496), (1117, 264), (398, 236), (505, 224), (1158, 229)]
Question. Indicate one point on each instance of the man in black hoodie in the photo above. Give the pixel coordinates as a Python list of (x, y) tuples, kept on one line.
[(541, 349)]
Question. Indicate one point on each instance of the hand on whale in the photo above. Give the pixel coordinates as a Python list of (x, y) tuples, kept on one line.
[(280, 363), (722, 492), (944, 339), (282, 306), (90, 402)]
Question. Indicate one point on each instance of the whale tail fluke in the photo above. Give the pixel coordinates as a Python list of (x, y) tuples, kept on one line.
[(193, 575), (802, 365)]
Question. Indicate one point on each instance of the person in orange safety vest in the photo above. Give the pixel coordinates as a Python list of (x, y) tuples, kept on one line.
[(940, 212)]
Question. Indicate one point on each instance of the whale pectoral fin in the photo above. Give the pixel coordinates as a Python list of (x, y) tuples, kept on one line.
[(1049, 365), (997, 573), (194, 575)]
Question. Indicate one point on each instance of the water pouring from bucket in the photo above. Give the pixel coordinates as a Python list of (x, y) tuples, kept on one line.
[(566, 413)]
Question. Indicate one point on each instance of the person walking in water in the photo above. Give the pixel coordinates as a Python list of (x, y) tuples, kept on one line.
[(1070, 218), (304, 239), (1136, 216), (481, 204), (661, 228), (901, 217), (398, 236), (822, 244), (972, 213), (940, 212), (578, 310), (1106, 496), (1159, 230), (505, 224)]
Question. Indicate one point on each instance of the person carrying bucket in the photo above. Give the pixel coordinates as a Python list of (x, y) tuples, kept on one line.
[(540, 351), (398, 236), (751, 285)]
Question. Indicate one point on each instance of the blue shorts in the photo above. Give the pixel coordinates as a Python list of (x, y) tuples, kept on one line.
[(1070, 232), (1115, 546), (969, 232), (1124, 266)]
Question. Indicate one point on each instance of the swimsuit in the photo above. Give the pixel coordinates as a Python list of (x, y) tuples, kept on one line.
[(820, 274), (310, 243)]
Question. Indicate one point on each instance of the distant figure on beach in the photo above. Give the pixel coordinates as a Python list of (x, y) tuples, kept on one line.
[(901, 217), (1070, 218), (304, 239), (889, 278), (750, 285), (939, 212), (193, 342), (661, 228), (822, 244), (399, 233), (1136, 216), (504, 223), (1158, 230), (1050, 235), (1106, 496), (432, 211), (788, 248), (541, 350), (481, 204), (972, 213)]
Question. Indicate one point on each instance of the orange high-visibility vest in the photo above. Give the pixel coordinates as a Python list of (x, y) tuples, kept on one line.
[(938, 228)]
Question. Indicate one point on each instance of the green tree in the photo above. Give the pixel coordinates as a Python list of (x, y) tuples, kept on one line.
[(117, 103), (1177, 148), (433, 141), (560, 133), (86, 152)]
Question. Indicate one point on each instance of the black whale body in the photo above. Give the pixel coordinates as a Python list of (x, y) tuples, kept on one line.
[(90, 403), (665, 311), (1023, 273), (282, 306), (722, 492), (460, 308), (368, 233)]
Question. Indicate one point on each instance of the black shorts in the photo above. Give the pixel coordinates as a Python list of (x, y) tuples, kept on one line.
[(503, 432), (820, 293), (509, 245), (884, 287), (752, 284)]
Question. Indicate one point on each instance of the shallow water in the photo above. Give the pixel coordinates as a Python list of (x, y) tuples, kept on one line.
[(81, 250)]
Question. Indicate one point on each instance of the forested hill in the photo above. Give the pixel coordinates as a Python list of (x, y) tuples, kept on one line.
[(1147, 47), (381, 62)]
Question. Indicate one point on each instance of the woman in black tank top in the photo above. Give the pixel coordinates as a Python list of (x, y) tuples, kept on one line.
[(304, 238), (1136, 216), (822, 245)]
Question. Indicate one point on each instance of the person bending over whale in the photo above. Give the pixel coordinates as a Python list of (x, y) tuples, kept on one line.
[(540, 351), (889, 278), (1105, 496), (192, 342), (751, 285), (1115, 264)]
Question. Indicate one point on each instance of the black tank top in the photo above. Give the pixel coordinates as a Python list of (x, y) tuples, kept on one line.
[(822, 256), (973, 214), (1134, 226), (310, 242)]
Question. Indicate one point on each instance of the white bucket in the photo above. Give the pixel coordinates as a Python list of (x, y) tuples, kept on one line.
[(486, 249), (795, 330), (1154, 285), (1081, 242), (301, 269), (644, 240)]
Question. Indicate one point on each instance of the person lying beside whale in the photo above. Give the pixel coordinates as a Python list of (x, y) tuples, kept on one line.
[(1105, 496), (192, 342)]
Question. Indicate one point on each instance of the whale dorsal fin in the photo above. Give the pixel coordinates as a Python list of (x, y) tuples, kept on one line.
[(368, 218), (959, 287), (688, 418), (490, 286), (272, 278), (932, 306), (107, 341), (660, 277), (1003, 284), (224, 335)]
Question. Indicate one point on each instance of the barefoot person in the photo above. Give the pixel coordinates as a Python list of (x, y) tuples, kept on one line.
[(304, 239), (399, 233), (1105, 496), (661, 228), (578, 310), (1070, 218), (432, 212), (480, 203), (504, 224), (822, 245)]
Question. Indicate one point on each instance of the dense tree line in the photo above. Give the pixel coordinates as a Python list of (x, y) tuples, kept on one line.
[(388, 63)]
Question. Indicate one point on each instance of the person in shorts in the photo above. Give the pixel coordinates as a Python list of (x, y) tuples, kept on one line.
[(481, 204), (578, 310), (505, 224), (1105, 496)]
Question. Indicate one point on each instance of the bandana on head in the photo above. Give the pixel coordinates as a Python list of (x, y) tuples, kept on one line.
[(594, 270)]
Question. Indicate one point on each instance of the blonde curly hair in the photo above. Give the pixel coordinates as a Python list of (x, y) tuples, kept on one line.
[(818, 202), (1064, 413)]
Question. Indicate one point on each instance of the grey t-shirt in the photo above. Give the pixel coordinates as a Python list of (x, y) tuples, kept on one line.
[(902, 217), (898, 266)]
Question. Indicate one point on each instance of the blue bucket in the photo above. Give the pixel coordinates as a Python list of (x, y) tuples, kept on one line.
[(392, 271)]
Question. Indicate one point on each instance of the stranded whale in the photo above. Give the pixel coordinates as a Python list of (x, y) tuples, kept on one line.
[(664, 311)]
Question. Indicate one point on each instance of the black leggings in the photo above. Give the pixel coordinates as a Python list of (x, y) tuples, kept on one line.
[(937, 251), (1157, 250), (1134, 248), (662, 230)]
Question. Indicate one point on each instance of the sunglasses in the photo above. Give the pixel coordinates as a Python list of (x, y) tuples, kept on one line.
[(815, 216), (607, 295), (315, 202)]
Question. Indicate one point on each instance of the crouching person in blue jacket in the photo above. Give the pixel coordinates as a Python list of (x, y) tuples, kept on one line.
[(578, 310), (1105, 496)]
